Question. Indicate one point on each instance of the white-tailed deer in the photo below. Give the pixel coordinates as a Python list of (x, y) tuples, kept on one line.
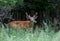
[(24, 24)]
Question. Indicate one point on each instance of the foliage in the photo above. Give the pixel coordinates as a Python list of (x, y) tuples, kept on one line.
[(7, 3), (56, 36), (20, 2), (28, 35), (38, 5)]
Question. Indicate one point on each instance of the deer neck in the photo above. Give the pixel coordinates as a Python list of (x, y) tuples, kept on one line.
[(31, 24)]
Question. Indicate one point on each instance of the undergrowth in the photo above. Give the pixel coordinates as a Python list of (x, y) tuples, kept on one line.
[(28, 35)]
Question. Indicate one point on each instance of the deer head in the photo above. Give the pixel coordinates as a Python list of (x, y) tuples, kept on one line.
[(32, 18)]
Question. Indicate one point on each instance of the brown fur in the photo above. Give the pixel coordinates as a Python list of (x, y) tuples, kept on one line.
[(23, 24)]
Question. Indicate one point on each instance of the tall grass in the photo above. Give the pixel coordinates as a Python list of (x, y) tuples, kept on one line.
[(28, 35)]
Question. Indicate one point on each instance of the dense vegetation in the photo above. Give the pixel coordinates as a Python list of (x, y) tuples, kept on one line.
[(21, 35), (48, 12)]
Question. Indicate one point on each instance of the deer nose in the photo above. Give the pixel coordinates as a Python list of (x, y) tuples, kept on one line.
[(35, 21)]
